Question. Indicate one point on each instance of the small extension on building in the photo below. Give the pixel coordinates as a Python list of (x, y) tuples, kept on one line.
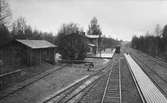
[(93, 43), (92, 49), (27, 52)]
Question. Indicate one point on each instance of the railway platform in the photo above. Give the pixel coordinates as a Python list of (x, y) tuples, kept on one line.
[(148, 90)]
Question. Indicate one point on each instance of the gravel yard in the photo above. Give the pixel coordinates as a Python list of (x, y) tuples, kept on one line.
[(26, 73), (51, 83)]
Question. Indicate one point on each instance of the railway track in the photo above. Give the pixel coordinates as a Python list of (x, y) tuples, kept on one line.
[(110, 88), (20, 87), (156, 60), (112, 92), (111, 78), (72, 93), (75, 92)]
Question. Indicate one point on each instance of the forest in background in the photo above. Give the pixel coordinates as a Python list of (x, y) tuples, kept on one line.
[(19, 29), (154, 44)]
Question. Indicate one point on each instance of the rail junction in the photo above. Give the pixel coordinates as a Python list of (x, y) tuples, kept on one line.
[(111, 93), (106, 84)]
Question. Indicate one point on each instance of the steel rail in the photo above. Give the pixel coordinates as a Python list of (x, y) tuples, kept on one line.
[(31, 82), (120, 92), (105, 90), (108, 84), (109, 64), (69, 87)]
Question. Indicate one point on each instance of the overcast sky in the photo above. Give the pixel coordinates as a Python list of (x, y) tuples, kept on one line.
[(118, 18)]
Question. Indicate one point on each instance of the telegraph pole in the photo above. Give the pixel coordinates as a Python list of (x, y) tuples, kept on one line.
[(99, 44)]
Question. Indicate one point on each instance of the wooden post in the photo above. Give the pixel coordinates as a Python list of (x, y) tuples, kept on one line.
[(53, 55), (30, 60), (39, 56)]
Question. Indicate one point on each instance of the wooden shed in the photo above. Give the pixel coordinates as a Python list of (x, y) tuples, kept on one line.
[(29, 52)]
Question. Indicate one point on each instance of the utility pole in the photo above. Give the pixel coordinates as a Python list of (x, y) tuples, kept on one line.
[(99, 44)]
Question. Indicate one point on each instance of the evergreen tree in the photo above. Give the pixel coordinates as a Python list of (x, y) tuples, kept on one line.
[(71, 42), (4, 35)]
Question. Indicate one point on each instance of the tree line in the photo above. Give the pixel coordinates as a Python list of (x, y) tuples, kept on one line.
[(154, 43), (70, 39), (18, 29), (110, 42)]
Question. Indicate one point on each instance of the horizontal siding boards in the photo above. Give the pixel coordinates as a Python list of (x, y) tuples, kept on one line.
[(42, 55), (10, 55), (52, 56), (15, 53), (35, 55)]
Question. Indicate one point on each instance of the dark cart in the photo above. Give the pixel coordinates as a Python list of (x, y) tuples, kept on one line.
[(117, 49)]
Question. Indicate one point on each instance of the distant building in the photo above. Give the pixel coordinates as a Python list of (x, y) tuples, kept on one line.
[(29, 52), (93, 42)]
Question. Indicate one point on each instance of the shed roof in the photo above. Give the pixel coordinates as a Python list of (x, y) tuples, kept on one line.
[(37, 44)]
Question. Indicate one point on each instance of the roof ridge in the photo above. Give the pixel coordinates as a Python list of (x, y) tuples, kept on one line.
[(36, 44)]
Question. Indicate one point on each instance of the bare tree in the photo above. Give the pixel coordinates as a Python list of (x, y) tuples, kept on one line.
[(19, 26), (69, 28), (5, 13), (158, 30), (4, 22)]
